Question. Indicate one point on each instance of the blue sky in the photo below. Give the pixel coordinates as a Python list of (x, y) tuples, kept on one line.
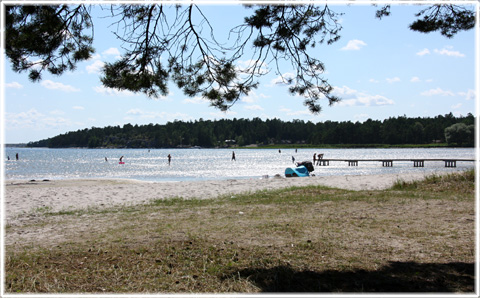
[(379, 68)]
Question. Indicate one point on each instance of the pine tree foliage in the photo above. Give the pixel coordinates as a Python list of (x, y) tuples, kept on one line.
[(165, 42), (202, 66), (449, 19), (52, 38)]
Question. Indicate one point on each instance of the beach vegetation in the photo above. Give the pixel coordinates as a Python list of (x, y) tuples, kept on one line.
[(43, 209), (415, 237), (454, 182)]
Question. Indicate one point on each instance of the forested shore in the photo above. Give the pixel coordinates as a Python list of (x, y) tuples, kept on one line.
[(442, 129)]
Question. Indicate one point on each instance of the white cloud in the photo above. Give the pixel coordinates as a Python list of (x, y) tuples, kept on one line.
[(14, 85), (299, 113), (111, 52), (125, 93), (415, 79), (23, 118), (469, 95), (282, 80), (354, 45), (393, 80), (248, 99), (361, 117), (96, 56), (253, 97), (352, 97), (134, 112), (35, 120), (254, 108), (112, 92), (196, 100), (57, 122), (344, 91), (457, 106), (152, 115), (363, 99), (423, 52), (373, 81), (57, 112), (78, 108), (244, 65), (58, 86), (95, 67), (97, 64), (437, 91), (449, 52), (289, 112)]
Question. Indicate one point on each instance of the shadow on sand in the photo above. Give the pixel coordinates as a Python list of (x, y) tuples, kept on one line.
[(394, 277)]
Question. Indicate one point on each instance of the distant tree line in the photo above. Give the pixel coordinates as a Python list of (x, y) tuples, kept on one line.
[(449, 129)]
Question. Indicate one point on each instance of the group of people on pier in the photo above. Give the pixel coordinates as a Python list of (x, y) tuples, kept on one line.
[(317, 158)]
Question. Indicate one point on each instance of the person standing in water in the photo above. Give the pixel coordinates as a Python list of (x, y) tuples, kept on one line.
[(233, 156), (16, 156), (121, 158), (169, 159)]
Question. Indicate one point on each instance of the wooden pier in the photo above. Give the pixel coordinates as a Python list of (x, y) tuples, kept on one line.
[(417, 163)]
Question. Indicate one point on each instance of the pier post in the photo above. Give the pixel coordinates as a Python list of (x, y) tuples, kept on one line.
[(387, 163), (353, 163), (418, 163), (450, 163), (324, 162)]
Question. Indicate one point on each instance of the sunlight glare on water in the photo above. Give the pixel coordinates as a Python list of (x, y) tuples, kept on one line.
[(213, 164)]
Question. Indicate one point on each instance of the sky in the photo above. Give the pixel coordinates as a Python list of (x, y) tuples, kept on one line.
[(380, 69)]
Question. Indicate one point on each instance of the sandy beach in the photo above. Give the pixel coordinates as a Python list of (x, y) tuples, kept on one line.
[(23, 198), (234, 245)]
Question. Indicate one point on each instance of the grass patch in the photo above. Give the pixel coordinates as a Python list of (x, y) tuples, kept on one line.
[(416, 237), (456, 182)]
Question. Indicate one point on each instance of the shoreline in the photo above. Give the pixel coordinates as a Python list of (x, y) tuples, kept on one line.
[(23, 198)]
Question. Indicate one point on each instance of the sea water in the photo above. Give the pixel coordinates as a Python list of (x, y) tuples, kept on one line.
[(213, 164)]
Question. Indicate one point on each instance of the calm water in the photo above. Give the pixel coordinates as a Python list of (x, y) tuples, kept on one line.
[(210, 164)]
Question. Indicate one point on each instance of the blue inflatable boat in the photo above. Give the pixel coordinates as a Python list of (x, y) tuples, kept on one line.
[(300, 171)]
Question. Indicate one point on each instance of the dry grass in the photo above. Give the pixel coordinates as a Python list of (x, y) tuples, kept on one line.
[(416, 237)]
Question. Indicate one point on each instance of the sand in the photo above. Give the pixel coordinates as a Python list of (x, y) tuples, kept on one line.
[(23, 199)]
